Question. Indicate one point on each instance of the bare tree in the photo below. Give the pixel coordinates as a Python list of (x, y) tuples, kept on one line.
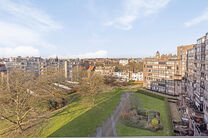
[(17, 102), (91, 85), (110, 80), (49, 85), (78, 73)]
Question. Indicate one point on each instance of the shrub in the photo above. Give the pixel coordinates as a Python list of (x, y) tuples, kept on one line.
[(131, 81), (141, 112), (155, 123), (151, 115)]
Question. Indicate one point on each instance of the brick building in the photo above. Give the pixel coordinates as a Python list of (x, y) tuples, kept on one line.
[(162, 73)]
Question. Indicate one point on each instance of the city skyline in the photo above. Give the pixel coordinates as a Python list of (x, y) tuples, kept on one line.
[(126, 28)]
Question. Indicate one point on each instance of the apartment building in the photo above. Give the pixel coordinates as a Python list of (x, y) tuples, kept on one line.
[(205, 99), (194, 98), (182, 55), (33, 64), (162, 73), (195, 78)]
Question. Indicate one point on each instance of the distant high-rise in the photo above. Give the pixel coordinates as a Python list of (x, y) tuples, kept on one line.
[(67, 70)]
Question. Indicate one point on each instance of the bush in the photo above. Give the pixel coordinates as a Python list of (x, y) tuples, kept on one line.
[(142, 112), (151, 115), (131, 81), (155, 123), (56, 104)]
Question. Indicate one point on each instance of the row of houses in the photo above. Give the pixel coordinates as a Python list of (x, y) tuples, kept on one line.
[(123, 76)]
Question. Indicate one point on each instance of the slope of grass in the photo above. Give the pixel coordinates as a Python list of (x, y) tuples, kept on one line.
[(80, 119), (86, 123), (150, 103)]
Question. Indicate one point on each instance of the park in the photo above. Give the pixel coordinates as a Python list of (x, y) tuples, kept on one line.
[(81, 120)]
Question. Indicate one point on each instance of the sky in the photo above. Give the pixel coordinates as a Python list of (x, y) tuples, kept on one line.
[(99, 28)]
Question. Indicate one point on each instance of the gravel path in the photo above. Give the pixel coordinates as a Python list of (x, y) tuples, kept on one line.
[(108, 127)]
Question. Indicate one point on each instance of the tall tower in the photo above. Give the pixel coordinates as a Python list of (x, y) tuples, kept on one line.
[(157, 54), (67, 70)]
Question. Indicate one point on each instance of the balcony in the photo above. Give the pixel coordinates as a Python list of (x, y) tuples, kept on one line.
[(202, 85)]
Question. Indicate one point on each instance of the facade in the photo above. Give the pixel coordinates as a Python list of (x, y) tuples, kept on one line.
[(194, 98), (138, 76), (162, 73), (122, 76), (205, 99), (182, 55), (105, 70), (67, 70), (33, 64)]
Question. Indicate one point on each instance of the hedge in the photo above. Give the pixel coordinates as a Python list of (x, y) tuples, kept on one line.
[(152, 94)]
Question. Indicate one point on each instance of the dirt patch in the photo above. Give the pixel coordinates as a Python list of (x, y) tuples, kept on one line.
[(174, 112)]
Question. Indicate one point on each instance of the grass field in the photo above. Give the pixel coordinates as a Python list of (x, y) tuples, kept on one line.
[(149, 103), (79, 119), (3, 126)]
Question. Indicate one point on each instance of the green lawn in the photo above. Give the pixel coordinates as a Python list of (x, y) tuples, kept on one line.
[(86, 123), (149, 103), (79, 119)]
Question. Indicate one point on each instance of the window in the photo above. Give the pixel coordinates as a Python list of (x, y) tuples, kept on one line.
[(162, 63), (199, 41), (170, 63)]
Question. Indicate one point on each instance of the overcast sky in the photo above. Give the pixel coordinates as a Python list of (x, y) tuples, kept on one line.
[(99, 28)]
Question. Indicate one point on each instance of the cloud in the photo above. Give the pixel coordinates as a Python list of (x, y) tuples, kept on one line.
[(18, 51), (28, 14), (23, 24), (14, 35), (134, 10), (96, 54), (197, 20)]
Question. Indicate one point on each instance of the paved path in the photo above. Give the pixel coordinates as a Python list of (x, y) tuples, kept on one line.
[(108, 127)]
